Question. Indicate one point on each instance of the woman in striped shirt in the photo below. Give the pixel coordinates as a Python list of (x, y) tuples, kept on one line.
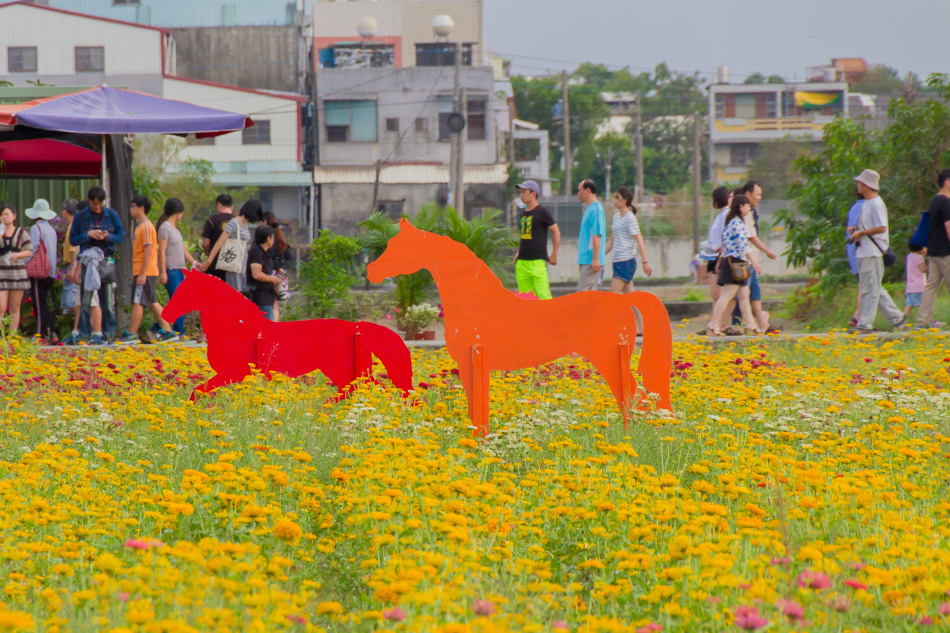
[(624, 239)]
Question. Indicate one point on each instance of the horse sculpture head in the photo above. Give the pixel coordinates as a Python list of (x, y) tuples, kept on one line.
[(407, 252), (192, 294)]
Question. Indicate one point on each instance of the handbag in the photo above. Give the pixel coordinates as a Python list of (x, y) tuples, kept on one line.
[(231, 257), (739, 269), (107, 271), (38, 266), (890, 257)]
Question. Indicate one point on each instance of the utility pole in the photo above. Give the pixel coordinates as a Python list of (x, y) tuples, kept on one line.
[(638, 148), (610, 165), (568, 155), (456, 138), (696, 179), (511, 130), (460, 156)]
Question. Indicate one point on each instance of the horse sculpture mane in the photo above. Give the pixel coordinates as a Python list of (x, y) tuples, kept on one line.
[(488, 327), (240, 338)]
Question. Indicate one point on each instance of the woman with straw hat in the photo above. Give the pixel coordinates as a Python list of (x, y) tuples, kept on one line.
[(42, 232)]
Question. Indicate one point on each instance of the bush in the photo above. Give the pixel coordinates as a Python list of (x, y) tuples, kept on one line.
[(325, 278)]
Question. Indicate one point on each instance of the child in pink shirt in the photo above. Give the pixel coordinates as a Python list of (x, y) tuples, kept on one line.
[(916, 277)]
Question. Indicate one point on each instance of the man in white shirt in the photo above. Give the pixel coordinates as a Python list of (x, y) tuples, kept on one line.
[(871, 239)]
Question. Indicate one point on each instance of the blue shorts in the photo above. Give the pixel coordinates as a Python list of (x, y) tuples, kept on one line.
[(267, 311), (755, 292), (70, 298), (625, 270), (912, 299)]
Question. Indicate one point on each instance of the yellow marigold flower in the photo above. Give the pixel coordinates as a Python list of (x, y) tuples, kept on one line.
[(333, 608), (15, 621), (287, 530)]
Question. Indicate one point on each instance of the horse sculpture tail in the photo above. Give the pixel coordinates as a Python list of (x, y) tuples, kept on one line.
[(389, 348), (656, 352)]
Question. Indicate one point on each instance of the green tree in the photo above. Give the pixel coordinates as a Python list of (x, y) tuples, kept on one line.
[(325, 275), (774, 167)]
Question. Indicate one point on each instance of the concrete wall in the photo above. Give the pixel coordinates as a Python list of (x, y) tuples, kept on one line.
[(178, 13), (668, 256), (404, 94), (262, 57)]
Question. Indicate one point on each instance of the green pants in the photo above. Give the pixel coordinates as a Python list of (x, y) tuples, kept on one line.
[(532, 276)]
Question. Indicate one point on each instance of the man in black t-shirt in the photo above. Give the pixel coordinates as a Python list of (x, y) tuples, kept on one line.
[(214, 227), (532, 259), (938, 251)]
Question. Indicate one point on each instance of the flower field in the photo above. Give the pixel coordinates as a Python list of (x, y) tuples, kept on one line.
[(799, 485)]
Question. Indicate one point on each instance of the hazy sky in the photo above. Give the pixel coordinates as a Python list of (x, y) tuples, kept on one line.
[(767, 36)]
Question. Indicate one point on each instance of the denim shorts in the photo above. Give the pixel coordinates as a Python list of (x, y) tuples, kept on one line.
[(755, 292), (912, 299), (70, 297), (625, 270)]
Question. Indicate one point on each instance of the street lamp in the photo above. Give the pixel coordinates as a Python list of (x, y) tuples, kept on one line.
[(441, 27)]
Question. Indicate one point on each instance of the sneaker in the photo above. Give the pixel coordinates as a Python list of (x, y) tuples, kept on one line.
[(937, 325), (72, 339), (98, 339), (128, 338), (852, 322), (167, 337), (901, 324), (861, 330)]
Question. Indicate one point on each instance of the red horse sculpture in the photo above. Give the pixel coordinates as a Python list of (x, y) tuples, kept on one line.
[(488, 327), (239, 336)]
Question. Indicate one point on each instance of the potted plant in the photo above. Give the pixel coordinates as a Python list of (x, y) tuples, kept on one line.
[(415, 320)]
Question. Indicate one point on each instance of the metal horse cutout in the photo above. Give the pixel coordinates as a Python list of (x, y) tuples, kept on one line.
[(239, 336), (490, 328)]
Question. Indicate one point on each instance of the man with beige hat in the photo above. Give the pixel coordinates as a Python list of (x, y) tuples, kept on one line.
[(872, 240)]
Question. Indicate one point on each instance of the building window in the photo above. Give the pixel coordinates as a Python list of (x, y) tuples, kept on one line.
[(90, 59), (266, 199), (258, 134), (742, 154), (441, 54), (444, 105), (191, 139), (392, 208), (392, 125), (351, 121), (765, 106), (422, 124), (745, 106), (476, 120), (21, 59)]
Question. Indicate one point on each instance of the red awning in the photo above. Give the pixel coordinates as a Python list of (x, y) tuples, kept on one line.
[(47, 157)]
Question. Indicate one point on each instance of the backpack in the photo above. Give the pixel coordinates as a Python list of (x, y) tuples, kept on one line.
[(922, 233), (38, 266)]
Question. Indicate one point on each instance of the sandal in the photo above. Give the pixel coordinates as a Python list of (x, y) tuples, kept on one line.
[(749, 331), (732, 331), (713, 331)]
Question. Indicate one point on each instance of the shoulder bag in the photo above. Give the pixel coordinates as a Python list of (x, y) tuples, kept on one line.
[(38, 266), (889, 256), (232, 255), (739, 268)]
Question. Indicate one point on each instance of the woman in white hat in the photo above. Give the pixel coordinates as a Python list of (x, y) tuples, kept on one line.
[(15, 246), (43, 231)]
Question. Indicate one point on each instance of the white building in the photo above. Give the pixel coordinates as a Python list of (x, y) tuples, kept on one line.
[(88, 51)]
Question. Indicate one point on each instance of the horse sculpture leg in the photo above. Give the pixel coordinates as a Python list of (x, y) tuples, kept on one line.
[(614, 366), (476, 392)]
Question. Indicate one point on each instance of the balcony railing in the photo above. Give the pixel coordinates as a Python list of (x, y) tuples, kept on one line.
[(791, 124)]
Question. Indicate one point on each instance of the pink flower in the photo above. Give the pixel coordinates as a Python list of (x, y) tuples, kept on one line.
[(926, 621), (560, 625), (749, 618), (841, 604), (389, 317), (860, 566), (652, 627), (395, 614), (814, 580), (123, 596), (483, 607), (944, 608), (299, 619), (784, 560), (790, 608), (854, 584)]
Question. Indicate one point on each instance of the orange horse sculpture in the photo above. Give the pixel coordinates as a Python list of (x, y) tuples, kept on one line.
[(488, 327), (239, 336)]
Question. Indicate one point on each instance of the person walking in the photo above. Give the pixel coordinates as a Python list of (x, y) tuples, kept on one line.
[(592, 239), (531, 260), (214, 227), (625, 240), (260, 271), (15, 247), (97, 231), (938, 252), (735, 245), (70, 301), (42, 232), (915, 270), (145, 274), (854, 215), (282, 258), (172, 254), (237, 228), (871, 239)]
